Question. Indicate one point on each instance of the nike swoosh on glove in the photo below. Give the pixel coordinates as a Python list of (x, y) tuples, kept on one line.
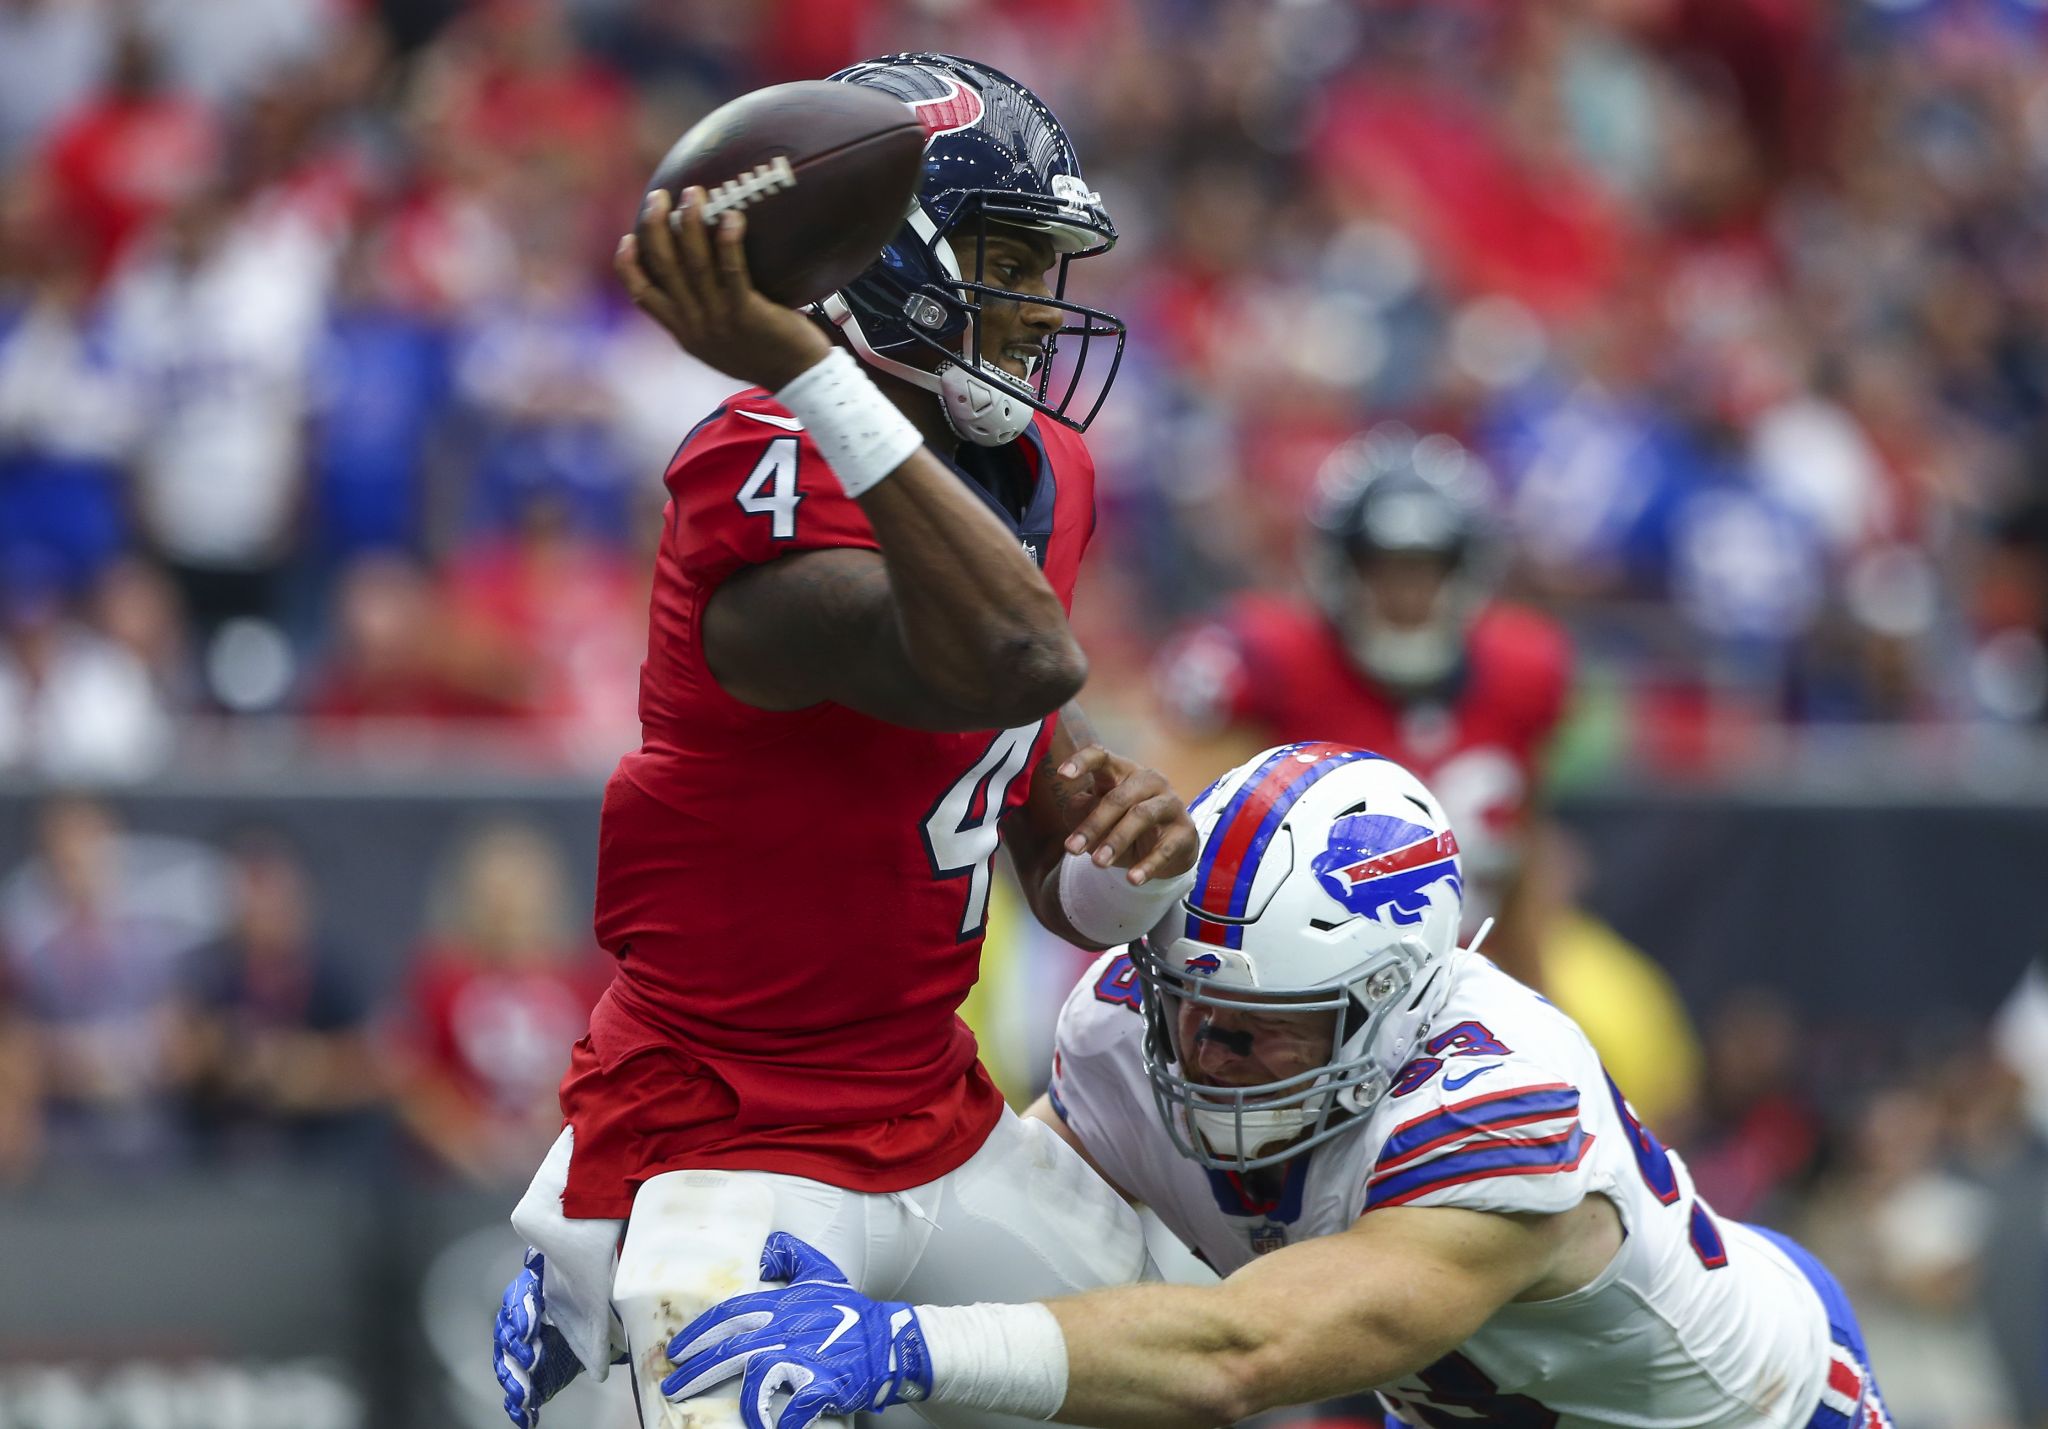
[(534, 1362), (829, 1347)]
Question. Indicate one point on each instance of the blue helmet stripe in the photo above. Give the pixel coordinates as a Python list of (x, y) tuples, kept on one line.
[(1295, 780)]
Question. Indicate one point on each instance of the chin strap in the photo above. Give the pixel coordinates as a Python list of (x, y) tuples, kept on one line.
[(978, 411)]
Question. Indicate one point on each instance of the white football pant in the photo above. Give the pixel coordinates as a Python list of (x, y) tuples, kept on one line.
[(1023, 1219)]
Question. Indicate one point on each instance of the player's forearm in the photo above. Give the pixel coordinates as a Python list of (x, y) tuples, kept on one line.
[(977, 620), (1310, 1322), (1156, 1357), (1178, 1357), (1093, 823), (1034, 833)]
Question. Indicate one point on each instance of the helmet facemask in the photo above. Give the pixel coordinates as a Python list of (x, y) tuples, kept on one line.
[(984, 404), (1247, 1127), (1327, 887)]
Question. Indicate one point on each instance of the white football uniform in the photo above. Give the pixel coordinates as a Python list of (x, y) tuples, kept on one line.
[(1697, 1321)]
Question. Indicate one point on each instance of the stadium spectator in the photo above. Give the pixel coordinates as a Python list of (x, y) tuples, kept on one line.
[(225, 50), (21, 1122), (97, 928), (117, 163), (1757, 1138), (555, 605), (213, 327), (134, 605), (398, 663), (380, 393), (494, 1001), (1911, 1232), (2015, 1292), (52, 55), (66, 427), (531, 371), (74, 705), (284, 1065)]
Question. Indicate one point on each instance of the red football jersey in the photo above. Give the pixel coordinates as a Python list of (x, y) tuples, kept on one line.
[(796, 899), (1278, 667)]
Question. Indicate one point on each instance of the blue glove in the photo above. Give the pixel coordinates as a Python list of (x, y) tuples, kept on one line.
[(830, 1347), (534, 1362)]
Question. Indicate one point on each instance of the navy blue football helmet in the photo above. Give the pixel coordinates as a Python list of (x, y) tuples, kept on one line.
[(994, 156), (1392, 493)]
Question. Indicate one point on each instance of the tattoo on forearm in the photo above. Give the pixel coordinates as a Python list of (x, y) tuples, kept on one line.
[(1067, 794)]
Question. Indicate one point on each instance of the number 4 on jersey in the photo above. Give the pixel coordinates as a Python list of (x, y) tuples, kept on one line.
[(960, 832), (770, 488)]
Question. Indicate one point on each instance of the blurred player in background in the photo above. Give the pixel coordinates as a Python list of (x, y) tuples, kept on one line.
[(858, 679), (1403, 648), (1413, 1172)]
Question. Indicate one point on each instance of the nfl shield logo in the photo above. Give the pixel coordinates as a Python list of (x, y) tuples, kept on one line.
[(1267, 1238)]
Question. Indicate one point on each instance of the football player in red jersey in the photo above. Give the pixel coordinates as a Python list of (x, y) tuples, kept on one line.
[(1402, 650), (858, 681)]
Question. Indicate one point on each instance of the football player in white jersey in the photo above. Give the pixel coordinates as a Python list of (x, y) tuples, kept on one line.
[(1411, 1172)]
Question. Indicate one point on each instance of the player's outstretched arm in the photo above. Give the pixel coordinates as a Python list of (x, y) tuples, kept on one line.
[(1317, 1320), (1102, 846), (1331, 1316), (951, 626)]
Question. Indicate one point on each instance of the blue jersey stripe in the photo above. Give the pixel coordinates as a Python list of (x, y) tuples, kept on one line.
[(1490, 1158), (1480, 1114)]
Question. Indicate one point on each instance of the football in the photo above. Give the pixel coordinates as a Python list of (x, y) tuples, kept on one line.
[(824, 172)]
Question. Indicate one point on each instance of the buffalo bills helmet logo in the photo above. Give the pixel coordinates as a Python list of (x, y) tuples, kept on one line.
[(1383, 867), (1204, 965)]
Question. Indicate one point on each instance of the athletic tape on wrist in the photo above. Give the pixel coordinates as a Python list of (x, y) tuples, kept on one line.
[(1011, 1359), (1104, 908), (861, 433)]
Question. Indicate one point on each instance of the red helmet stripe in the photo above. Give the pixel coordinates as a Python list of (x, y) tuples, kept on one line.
[(960, 109), (1244, 819), (1429, 850)]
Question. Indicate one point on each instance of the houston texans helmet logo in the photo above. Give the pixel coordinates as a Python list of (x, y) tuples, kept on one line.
[(1383, 867), (958, 108), (1204, 965)]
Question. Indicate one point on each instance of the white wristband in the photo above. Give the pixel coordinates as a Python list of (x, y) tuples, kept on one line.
[(1010, 1359), (1105, 909), (862, 434)]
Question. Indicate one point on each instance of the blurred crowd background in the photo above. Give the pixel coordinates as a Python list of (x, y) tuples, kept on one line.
[(317, 398), (327, 442)]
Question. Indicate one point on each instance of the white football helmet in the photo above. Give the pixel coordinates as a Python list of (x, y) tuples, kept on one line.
[(1328, 882)]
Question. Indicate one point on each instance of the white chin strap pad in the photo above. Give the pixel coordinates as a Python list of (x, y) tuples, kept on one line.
[(978, 411), (1263, 1127), (981, 412)]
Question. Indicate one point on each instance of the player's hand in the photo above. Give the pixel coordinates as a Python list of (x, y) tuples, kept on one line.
[(1127, 816), (534, 1362), (817, 1339), (692, 279)]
